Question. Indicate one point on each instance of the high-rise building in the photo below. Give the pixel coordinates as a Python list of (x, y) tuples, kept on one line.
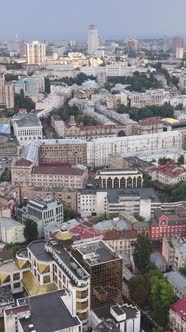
[(9, 95), (93, 40), (2, 89), (177, 42), (36, 53), (105, 269), (6, 92), (179, 53)]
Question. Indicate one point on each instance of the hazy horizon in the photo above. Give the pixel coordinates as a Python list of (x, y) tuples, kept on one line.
[(59, 20)]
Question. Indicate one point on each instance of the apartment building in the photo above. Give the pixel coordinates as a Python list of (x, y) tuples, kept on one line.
[(6, 92), (36, 53), (43, 211), (178, 282), (31, 86), (119, 178), (177, 321), (98, 150), (11, 231), (11, 276), (72, 152), (174, 251)]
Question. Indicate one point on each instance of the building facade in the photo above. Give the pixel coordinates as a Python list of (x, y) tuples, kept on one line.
[(177, 321), (119, 178), (36, 53), (93, 41), (27, 128)]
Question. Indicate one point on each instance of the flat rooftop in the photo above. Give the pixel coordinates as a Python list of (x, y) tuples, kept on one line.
[(49, 313), (38, 250), (104, 312), (10, 266), (96, 252)]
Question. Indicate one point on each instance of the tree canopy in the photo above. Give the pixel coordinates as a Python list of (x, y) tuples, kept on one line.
[(23, 102), (6, 175), (30, 230), (66, 111), (142, 252), (79, 79)]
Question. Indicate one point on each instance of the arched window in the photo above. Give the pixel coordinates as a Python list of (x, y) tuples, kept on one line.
[(129, 182), (116, 183), (139, 182), (122, 183), (109, 183), (134, 182)]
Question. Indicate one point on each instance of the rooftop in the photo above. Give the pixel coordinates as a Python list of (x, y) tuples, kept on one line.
[(96, 252), (110, 171), (180, 308), (8, 266), (169, 169), (38, 250), (26, 120), (49, 313), (177, 280), (129, 310), (23, 162), (60, 170)]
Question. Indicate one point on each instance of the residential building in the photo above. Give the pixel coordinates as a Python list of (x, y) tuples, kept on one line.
[(6, 299), (119, 178), (31, 86), (167, 174), (11, 231), (36, 53), (58, 125), (105, 269), (179, 53), (177, 313), (98, 150), (27, 127), (174, 251), (42, 211), (9, 95), (72, 151), (49, 312), (47, 103), (93, 40), (178, 282), (151, 126), (6, 92)]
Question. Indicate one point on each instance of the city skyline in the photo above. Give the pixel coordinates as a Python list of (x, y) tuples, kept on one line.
[(71, 21)]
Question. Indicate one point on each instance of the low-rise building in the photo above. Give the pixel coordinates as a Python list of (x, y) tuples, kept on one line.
[(177, 316), (11, 231), (31, 86), (178, 282), (11, 276), (168, 174), (174, 251), (168, 224), (46, 312), (42, 211), (27, 128), (119, 178)]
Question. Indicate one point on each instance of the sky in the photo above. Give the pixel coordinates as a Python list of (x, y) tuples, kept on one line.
[(69, 19)]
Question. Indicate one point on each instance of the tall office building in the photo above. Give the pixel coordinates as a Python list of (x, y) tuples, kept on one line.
[(36, 53), (6, 92), (93, 39)]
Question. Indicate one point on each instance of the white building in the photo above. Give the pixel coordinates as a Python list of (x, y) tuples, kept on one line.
[(11, 231), (43, 212), (47, 104), (178, 282), (93, 40), (98, 150), (174, 251), (36, 53), (27, 128)]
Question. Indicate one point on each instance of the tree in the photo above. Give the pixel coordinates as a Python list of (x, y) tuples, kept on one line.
[(180, 160), (138, 217), (142, 252), (161, 296), (30, 230), (147, 180), (23, 102), (163, 161), (137, 290), (6, 175)]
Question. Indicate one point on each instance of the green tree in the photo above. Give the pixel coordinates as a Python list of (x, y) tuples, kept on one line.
[(137, 290), (180, 160), (142, 251), (147, 180), (163, 161), (6, 175), (69, 213), (138, 217), (161, 296), (30, 230), (23, 102)]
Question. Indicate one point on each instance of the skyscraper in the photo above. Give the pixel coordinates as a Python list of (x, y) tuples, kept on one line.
[(93, 40), (36, 53), (6, 92)]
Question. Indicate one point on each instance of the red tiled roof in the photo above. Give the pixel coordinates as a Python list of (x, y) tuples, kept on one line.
[(83, 232), (60, 170), (17, 310), (169, 169), (23, 162), (150, 121), (180, 308), (116, 235)]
